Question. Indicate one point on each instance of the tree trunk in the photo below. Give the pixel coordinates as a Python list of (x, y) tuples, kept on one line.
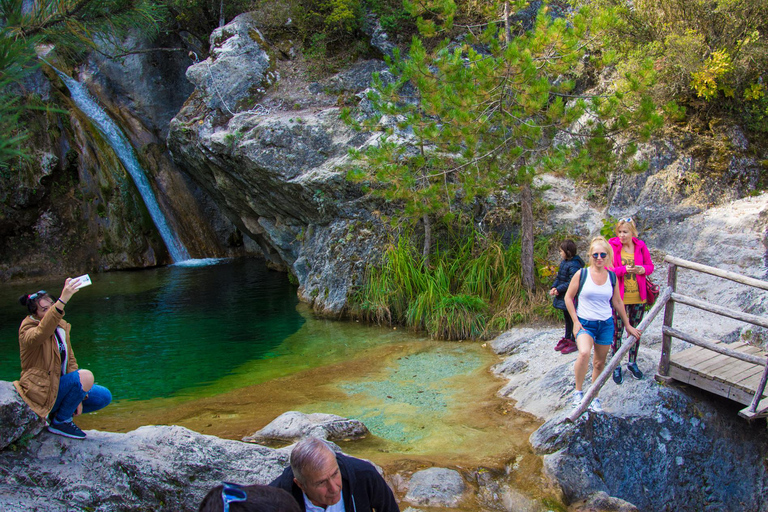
[(427, 239), (507, 28), (526, 251), (221, 14)]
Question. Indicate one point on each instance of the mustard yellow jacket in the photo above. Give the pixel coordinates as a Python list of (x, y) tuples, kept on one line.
[(41, 361)]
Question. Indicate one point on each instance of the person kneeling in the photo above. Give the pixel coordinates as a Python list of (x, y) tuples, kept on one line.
[(51, 383)]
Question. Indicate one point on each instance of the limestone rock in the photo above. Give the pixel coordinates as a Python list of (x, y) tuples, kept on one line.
[(294, 425), (17, 420), (151, 468), (436, 487), (237, 73)]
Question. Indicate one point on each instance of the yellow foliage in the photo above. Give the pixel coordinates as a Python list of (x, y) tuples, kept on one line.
[(754, 92), (705, 81)]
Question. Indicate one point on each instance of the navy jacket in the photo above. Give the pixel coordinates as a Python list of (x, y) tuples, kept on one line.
[(363, 488), (565, 273)]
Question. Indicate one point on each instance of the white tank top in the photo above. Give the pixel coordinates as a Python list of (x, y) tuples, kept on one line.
[(595, 301)]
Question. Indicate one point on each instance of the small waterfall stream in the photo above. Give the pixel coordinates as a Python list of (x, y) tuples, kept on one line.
[(125, 153)]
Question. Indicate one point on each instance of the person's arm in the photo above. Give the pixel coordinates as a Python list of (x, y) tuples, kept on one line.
[(618, 306), (570, 295), (646, 268), (32, 335)]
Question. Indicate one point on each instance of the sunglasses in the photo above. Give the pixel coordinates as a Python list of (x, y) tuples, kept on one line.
[(232, 493), (628, 219), (600, 255), (37, 295)]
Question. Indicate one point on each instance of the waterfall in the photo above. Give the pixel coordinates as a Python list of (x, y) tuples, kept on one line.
[(125, 153)]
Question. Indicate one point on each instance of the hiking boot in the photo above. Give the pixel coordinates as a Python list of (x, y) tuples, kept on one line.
[(569, 347), (595, 406), (561, 344), (617, 377), (635, 371), (66, 429), (578, 396)]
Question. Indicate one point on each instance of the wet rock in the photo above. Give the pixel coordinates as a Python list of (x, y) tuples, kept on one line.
[(17, 420), (436, 487), (293, 425)]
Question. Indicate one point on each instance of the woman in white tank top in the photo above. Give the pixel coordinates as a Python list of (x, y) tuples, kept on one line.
[(593, 318)]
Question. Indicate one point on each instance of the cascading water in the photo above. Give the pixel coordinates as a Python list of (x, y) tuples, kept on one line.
[(125, 153)]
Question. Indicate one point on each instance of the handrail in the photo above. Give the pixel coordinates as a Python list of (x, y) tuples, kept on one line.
[(726, 274), (594, 389), (749, 358), (713, 308)]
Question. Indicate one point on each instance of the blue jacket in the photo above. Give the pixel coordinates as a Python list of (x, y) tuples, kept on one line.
[(565, 273), (362, 486)]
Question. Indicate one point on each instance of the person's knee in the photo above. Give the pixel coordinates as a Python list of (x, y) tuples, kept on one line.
[(86, 379)]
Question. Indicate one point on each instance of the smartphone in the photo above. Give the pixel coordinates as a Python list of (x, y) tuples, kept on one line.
[(85, 280)]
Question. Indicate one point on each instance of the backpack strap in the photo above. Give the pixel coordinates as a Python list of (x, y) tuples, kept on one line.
[(583, 279)]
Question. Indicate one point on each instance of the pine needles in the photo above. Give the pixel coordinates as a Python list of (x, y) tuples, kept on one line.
[(472, 290)]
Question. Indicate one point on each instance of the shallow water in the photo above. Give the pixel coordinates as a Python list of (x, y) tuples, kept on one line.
[(225, 349)]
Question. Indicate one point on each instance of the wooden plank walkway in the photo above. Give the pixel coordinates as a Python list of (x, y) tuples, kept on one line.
[(720, 374)]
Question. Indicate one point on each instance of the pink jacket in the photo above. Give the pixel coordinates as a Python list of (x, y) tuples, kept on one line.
[(642, 258)]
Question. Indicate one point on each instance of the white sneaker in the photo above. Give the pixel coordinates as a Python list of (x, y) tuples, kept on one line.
[(595, 406), (577, 398)]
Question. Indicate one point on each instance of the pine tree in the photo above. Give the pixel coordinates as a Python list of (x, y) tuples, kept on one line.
[(493, 112)]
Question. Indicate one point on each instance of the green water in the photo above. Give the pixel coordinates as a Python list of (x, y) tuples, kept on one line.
[(159, 332)]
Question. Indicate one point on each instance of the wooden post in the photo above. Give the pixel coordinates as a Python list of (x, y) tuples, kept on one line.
[(666, 339), (759, 392)]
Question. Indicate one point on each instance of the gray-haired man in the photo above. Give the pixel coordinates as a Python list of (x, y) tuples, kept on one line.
[(322, 480)]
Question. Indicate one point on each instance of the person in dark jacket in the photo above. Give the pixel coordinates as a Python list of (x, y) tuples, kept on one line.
[(571, 264), (320, 479)]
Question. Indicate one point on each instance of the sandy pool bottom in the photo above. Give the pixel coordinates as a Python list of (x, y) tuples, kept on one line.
[(426, 404)]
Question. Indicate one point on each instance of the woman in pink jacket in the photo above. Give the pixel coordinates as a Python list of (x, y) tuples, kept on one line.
[(631, 263)]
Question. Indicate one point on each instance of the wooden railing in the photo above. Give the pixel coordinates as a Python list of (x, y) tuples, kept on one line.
[(666, 300)]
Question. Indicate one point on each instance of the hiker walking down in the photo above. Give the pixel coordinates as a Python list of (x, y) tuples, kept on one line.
[(571, 263), (631, 263), (597, 289)]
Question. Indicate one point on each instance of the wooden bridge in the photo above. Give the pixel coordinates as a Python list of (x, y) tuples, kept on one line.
[(737, 371)]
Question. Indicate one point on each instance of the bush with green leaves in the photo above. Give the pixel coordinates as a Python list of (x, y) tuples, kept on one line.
[(711, 55)]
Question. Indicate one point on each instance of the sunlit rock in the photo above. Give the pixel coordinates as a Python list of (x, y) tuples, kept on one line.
[(293, 425)]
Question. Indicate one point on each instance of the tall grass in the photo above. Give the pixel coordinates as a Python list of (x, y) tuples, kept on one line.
[(471, 290)]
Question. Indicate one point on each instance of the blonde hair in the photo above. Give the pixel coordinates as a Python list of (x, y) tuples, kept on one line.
[(605, 244), (630, 225)]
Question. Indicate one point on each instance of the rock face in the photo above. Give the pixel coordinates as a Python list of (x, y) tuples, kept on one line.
[(17, 420), (293, 425), (151, 468), (274, 172)]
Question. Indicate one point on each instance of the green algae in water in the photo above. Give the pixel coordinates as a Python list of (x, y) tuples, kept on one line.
[(412, 396)]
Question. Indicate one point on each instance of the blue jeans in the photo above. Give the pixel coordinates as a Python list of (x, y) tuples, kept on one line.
[(601, 331), (71, 394)]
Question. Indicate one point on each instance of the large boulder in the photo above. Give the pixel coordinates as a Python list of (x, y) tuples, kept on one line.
[(151, 468), (17, 420), (293, 425), (276, 172)]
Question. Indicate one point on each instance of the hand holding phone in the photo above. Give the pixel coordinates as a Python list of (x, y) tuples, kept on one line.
[(83, 281)]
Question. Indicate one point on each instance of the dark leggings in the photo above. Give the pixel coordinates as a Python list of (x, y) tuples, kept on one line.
[(568, 325), (635, 312)]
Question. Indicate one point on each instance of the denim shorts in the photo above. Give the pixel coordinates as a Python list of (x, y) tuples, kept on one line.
[(600, 330)]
